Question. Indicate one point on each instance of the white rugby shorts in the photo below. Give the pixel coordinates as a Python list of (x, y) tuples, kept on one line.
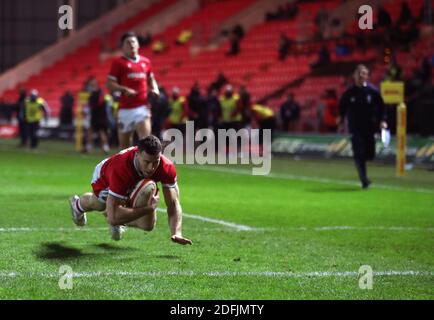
[(128, 118)]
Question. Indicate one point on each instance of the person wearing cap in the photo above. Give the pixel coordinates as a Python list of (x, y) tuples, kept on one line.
[(178, 110), (231, 116), (35, 109)]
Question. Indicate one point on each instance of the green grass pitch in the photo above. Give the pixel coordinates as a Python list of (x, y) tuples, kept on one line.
[(309, 229)]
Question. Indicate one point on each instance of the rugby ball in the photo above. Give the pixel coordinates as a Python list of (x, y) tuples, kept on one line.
[(142, 192)]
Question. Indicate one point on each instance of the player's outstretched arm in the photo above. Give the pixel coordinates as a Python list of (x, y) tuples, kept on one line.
[(174, 212), (152, 83), (118, 214)]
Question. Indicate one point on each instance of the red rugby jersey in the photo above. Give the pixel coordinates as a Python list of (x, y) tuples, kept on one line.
[(119, 175), (132, 74)]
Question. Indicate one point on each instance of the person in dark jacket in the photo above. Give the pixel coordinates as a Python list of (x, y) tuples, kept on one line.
[(364, 109), (98, 117), (289, 112), (66, 111), (21, 116)]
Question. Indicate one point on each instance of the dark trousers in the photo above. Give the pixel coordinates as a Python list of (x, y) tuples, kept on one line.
[(32, 128), (113, 137), (269, 123), (363, 150), (22, 127)]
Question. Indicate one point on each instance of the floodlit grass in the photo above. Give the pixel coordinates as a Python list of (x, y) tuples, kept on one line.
[(313, 227)]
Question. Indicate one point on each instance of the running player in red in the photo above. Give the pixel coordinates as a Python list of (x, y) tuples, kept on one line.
[(131, 74), (115, 177)]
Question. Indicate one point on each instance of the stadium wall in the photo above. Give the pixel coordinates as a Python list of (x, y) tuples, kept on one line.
[(55, 52), (27, 27), (420, 151)]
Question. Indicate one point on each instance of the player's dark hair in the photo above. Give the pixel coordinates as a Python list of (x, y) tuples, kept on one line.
[(151, 145), (127, 35)]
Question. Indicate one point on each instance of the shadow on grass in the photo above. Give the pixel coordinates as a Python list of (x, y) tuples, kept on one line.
[(110, 247), (168, 257), (60, 251), (55, 250)]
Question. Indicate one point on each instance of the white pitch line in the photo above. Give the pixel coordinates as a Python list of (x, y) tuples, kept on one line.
[(310, 179), (349, 228), (263, 274), (238, 227), (241, 227), (332, 228), (60, 229)]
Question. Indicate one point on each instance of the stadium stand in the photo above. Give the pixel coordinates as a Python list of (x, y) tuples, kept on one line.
[(257, 66), (70, 72)]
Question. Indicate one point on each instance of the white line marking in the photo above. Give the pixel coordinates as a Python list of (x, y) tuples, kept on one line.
[(241, 227), (309, 179), (28, 229), (332, 228), (238, 227), (266, 274)]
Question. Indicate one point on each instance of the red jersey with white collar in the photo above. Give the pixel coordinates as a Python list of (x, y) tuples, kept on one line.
[(132, 74), (119, 174)]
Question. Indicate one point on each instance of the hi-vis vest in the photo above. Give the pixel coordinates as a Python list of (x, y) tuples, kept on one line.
[(176, 115), (229, 106), (115, 108), (262, 112), (34, 111), (114, 105), (108, 98)]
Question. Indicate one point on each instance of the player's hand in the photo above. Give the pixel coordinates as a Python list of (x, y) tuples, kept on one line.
[(130, 92), (154, 200), (181, 240)]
